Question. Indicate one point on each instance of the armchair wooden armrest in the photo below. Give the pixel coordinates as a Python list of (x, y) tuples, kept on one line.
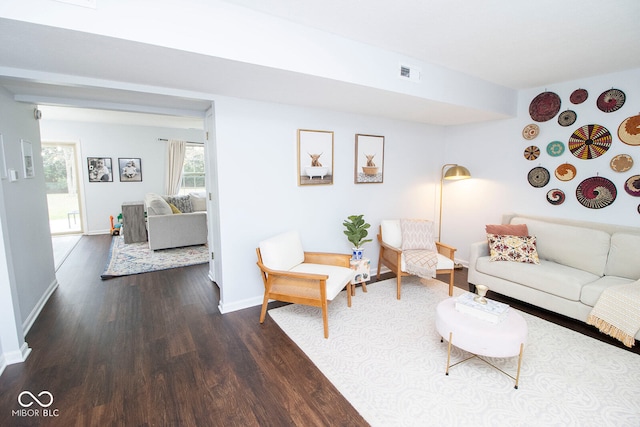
[(446, 250), (341, 260)]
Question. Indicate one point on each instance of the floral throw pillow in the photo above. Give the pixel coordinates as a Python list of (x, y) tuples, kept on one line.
[(513, 248), (417, 234)]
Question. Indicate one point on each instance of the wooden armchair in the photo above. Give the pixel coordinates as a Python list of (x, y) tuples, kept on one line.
[(292, 275), (390, 239)]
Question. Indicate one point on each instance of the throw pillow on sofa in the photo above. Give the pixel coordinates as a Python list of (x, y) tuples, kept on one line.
[(183, 203), (156, 205), (513, 248), (507, 229)]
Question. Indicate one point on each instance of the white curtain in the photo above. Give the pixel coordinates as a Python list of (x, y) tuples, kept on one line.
[(175, 159)]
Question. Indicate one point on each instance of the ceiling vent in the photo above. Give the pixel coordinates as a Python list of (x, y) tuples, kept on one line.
[(410, 72)]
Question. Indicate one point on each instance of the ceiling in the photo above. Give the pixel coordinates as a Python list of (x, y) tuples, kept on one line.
[(516, 44)]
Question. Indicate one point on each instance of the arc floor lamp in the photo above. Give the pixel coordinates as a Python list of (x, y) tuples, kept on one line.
[(454, 173)]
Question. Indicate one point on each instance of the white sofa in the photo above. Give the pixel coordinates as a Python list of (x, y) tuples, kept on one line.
[(167, 229), (578, 260)]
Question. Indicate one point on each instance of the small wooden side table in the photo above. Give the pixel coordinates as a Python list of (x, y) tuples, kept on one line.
[(362, 275), (133, 225)]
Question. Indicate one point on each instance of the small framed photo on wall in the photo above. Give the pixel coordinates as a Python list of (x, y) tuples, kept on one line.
[(130, 170), (100, 169), (315, 157), (369, 159)]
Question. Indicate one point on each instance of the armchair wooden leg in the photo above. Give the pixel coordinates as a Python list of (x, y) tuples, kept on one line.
[(398, 284), (263, 312), (325, 318), (451, 283)]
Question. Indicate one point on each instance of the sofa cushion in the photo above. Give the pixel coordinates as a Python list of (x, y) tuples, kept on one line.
[(417, 234), (174, 209), (623, 256), (578, 247), (156, 205), (338, 276), (592, 291), (183, 203), (513, 248), (548, 276), (282, 252), (507, 229)]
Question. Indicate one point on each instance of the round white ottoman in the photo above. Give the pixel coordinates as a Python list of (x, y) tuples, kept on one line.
[(481, 337)]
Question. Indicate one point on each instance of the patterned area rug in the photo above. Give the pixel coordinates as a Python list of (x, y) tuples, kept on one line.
[(386, 358), (136, 258)]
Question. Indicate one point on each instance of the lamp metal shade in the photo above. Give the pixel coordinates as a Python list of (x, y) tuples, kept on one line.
[(457, 172)]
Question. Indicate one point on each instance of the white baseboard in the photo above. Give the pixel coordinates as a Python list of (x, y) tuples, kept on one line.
[(239, 305), (12, 357), (26, 325)]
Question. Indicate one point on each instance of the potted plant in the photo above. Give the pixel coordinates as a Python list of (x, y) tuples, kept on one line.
[(356, 232)]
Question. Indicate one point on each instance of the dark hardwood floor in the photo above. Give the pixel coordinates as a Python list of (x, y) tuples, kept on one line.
[(153, 350)]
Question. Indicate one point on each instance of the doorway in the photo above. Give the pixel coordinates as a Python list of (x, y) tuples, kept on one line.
[(61, 180)]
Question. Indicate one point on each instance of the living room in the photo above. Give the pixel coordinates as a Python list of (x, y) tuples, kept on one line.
[(254, 139)]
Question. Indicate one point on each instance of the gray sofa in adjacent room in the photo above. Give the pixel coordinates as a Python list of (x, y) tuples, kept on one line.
[(169, 229)]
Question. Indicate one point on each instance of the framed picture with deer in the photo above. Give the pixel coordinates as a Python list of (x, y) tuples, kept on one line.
[(369, 164), (315, 157)]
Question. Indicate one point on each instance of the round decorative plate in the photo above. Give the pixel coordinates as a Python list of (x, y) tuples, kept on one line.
[(578, 96), (590, 141), (555, 196), (567, 118), (544, 106), (611, 100), (555, 148), (530, 131), (538, 177), (565, 172), (532, 152), (596, 192), (632, 186), (629, 130), (621, 163)]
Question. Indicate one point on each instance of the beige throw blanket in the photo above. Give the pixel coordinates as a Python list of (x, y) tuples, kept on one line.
[(421, 262), (617, 312)]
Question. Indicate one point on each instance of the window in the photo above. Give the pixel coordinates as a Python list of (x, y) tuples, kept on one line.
[(193, 177)]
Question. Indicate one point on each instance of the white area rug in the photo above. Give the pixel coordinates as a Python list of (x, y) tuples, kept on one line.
[(386, 358)]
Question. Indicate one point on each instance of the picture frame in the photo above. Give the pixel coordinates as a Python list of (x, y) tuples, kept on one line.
[(3, 162), (369, 159), (130, 169), (315, 157), (27, 159), (100, 169)]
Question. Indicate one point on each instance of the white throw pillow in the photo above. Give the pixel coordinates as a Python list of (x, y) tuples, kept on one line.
[(417, 234), (156, 205)]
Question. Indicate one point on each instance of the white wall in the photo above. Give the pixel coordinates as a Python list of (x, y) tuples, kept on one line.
[(102, 199), (493, 152), (27, 274), (259, 196)]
